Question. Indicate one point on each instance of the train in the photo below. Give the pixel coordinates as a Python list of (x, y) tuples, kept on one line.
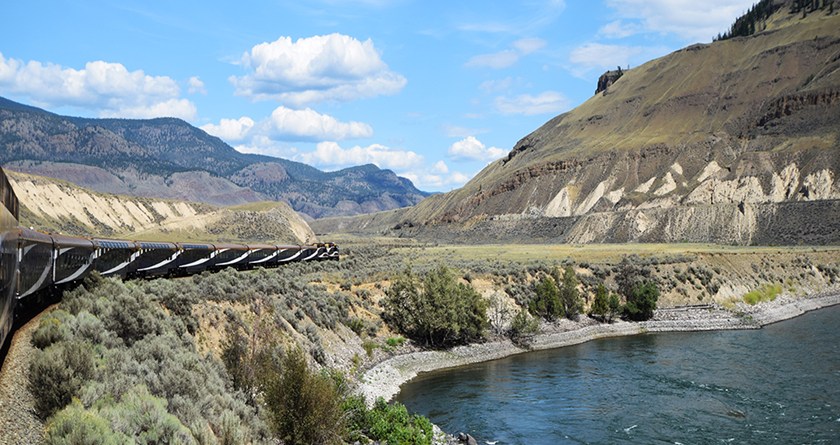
[(33, 261)]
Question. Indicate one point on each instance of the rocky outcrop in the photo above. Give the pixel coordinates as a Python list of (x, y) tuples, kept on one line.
[(608, 79)]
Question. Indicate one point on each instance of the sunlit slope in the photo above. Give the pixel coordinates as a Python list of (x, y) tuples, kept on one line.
[(731, 127), (58, 206)]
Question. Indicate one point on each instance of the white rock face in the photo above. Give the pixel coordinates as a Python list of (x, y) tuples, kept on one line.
[(668, 185), (645, 187), (560, 205), (819, 185), (710, 169), (785, 183), (592, 199)]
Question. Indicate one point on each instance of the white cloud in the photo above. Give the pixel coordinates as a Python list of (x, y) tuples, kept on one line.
[(440, 167), (196, 85), (314, 69), (688, 19), (471, 148), (230, 130), (308, 124), (436, 181), (602, 57), (508, 57), (109, 89), (545, 102), (330, 155), (619, 29)]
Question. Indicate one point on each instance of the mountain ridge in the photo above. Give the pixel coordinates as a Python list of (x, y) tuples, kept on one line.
[(713, 142), (132, 151)]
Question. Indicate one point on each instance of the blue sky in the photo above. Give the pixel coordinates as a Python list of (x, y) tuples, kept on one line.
[(433, 90)]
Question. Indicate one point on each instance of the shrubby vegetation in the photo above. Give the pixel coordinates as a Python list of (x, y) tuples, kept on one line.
[(435, 310), (557, 296), (132, 374)]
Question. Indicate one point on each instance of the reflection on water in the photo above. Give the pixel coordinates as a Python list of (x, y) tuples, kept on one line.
[(780, 384)]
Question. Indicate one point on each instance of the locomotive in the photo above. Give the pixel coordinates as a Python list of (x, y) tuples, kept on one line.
[(31, 261)]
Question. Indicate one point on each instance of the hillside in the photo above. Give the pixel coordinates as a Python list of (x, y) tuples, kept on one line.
[(734, 142), (168, 158), (57, 206)]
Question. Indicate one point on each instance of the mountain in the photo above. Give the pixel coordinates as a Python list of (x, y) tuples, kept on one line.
[(168, 158), (737, 141)]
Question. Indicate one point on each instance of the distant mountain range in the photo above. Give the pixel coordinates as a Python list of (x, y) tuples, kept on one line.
[(737, 141), (169, 158)]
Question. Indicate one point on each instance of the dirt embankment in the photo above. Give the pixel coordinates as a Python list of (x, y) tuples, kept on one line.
[(58, 206)]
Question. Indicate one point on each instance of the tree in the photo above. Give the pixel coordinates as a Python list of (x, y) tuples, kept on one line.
[(546, 302), (570, 299), (600, 306), (499, 312), (438, 310), (642, 301), (613, 307)]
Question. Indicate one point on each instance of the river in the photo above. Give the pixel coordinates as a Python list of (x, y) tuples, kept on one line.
[(779, 384)]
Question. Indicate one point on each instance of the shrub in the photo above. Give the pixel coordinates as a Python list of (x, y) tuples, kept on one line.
[(76, 425), (523, 327), (53, 328), (57, 373), (395, 341), (385, 423), (767, 292), (304, 407), (436, 310), (642, 301)]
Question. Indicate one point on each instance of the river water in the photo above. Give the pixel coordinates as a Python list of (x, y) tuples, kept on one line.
[(780, 384)]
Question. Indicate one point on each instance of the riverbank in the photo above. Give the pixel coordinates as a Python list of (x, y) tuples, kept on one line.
[(384, 379)]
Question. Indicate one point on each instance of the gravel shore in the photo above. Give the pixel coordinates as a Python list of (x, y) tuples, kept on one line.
[(384, 379)]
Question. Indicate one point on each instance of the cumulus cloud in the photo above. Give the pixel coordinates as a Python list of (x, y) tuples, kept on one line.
[(440, 167), (330, 155), (543, 103), (196, 85), (308, 124), (690, 20), (619, 29), (314, 69), (508, 57), (436, 181), (109, 89), (471, 148), (230, 130)]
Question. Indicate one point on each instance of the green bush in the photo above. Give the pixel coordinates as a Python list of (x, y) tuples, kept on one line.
[(767, 292), (569, 294), (57, 373), (436, 310), (642, 301), (546, 302), (385, 423), (523, 327), (75, 425), (304, 407)]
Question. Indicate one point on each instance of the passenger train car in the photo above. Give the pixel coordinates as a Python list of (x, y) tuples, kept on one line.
[(31, 261)]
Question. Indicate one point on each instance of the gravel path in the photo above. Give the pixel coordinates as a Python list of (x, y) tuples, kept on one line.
[(18, 422), (384, 379)]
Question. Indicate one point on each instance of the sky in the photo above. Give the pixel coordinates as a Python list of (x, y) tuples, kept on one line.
[(433, 90)]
